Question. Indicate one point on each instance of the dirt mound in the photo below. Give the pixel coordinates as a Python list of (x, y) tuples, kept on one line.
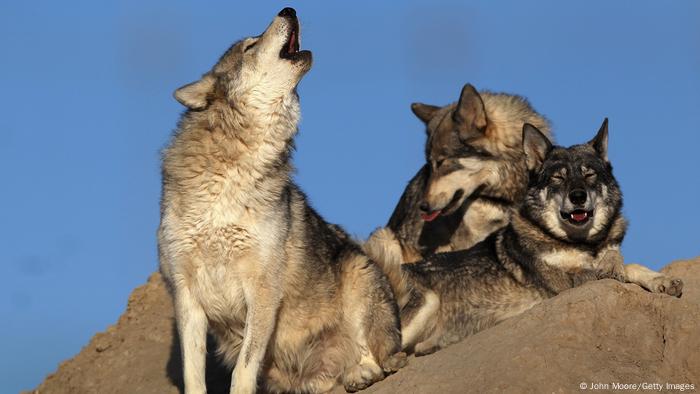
[(601, 334)]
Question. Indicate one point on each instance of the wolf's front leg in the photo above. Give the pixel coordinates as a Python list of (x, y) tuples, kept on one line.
[(611, 265), (655, 282), (192, 327), (262, 297)]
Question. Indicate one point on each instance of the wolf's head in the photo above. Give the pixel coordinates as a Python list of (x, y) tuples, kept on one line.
[(474, 144), (261, 70), (572, 194)]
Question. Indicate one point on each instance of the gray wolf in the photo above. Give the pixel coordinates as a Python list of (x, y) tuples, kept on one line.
[(567, 231), (474, 173), (290, 299)]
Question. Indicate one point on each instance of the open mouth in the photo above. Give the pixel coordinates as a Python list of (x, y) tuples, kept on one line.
[(577, 217), (291, 48), (446, 210), (430, 216)]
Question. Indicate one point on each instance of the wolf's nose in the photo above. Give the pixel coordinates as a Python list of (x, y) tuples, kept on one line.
[(288, 11), (578, 196), (424, 207)]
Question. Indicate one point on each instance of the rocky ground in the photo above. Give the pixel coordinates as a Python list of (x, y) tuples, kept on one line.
[(602, 333)]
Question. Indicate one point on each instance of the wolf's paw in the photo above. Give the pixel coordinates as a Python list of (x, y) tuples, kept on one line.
[(362, 376), (395, 362), (425, 348), (668, 285)]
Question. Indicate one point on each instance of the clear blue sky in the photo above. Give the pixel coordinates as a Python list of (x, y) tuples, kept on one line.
[(86, 106)]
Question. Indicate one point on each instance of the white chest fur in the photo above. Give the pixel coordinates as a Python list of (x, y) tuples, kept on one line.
[(574, 259), (568, 259), (218, 287)]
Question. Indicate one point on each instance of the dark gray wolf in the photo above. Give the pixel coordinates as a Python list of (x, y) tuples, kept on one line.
[(567, 231), (290, 298), (474, 173)]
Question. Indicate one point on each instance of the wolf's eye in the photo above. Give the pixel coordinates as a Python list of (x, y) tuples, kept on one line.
[(250, 46), (438, 163)]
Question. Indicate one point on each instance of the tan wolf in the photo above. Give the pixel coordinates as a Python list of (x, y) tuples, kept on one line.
[(290, 299)]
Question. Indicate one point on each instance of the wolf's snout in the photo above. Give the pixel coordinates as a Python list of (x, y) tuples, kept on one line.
[(427, 213), (578, 196), (288, 12)]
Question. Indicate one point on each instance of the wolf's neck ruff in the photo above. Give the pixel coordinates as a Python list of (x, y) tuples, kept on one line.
[(252, 135)]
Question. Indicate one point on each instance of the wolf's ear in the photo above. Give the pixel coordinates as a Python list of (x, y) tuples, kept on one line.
[(600, 141), (424, 112), (470, 115), (536, 146), (194, 95)]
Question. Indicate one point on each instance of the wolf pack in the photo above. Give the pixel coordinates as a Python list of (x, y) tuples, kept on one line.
[(498, 219)]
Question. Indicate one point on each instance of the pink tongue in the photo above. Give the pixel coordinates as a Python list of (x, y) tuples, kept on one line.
[(579, 217), (429, 217), (292, 42)]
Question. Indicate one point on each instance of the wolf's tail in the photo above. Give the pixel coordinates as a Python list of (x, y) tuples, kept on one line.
[(383, 248)]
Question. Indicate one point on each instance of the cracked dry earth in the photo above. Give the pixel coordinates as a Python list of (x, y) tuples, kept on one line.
[(603, 332)]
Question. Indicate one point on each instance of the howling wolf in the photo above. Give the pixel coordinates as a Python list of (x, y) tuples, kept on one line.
[(289, 297)]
